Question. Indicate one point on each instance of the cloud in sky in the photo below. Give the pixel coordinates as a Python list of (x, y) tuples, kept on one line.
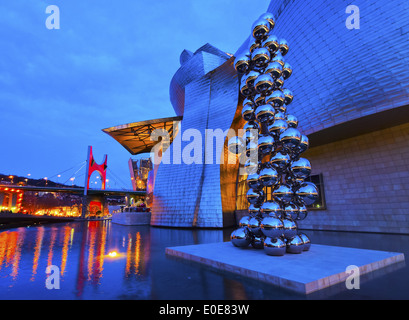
[(110, 63)]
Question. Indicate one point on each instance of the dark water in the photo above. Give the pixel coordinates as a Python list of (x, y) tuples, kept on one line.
[(141, 270)]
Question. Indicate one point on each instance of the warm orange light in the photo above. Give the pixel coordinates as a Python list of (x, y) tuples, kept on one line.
[(113, 254)]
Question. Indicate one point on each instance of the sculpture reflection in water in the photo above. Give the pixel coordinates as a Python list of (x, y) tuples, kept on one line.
[(272, 225)]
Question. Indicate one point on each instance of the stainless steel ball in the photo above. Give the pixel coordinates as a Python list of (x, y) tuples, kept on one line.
[(240, 237), (301, 168), (265, 144), (236, 145), (264, 84), (244, 88), (291, 210), (270, 18), (306, 240), (289, 228), (283, 193), (251, 148), (275, 69), (292, 121), (253, 182), (279, 82), (248, 102), (259, 99), (268, 177), (304, 143), (247, 113), (253, 196), (251, 125), (260, 29), (254, 226), (251, 166), (260, 57), (276, 98), (271, 43), (253, 209), (308, 193), (280, 161), (278, 57), (274, 246), (278, 127), (272, 227), (290, 138), (251, 78), (264, 113), (295, 245), (303, 212), (242, 63), (284, 47), (288, 96), (287, 71), (244, 221)]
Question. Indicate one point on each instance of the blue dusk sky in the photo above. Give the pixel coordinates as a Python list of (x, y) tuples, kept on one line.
[(110, 63)]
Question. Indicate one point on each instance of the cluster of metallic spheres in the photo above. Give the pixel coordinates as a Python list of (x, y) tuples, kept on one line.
[(271, 225)]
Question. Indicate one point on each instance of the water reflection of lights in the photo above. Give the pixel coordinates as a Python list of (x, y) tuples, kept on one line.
[(84, 251)]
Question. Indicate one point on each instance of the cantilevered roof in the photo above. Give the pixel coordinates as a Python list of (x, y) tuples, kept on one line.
[(136, 137)]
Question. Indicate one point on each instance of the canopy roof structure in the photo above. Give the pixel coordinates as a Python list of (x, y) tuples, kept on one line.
[(136, 137)]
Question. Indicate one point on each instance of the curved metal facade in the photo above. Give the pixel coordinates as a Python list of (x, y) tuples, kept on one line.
[(341, 74)]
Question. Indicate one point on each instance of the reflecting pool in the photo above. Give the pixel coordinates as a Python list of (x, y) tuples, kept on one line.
[(103, 260)]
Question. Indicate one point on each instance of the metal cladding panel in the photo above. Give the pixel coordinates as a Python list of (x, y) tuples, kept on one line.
[(341, 74), (189, 195)]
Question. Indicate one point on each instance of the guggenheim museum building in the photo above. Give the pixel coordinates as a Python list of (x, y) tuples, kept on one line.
[(351, 95)]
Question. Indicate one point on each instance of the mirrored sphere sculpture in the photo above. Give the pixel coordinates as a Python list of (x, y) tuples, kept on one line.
[(272, 141)]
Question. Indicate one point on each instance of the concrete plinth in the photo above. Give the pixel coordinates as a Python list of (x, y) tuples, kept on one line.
[(132, 218), (320, 267)]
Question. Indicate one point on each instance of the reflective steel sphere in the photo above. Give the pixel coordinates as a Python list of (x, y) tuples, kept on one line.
[(244, 221), (291, 211), (272, 227), (302, 212), (268, 177), (274, 246), (274, 69), (236, 145), (292, 121), (244, 88), (254, 44), (287, 71), (283, 193), (276, 98), (251, 126), (308, 193), (278, 58), (247, 113), (290, 138), (284, 47), (252, 181), (280, 161), (257, 242), (254, 226), (278, 127), (240, 237), (271, 43), (271, 208), (248, 102), (304, 143), (306, 240), (295, 245), (260, 57), (264, 83), (259, 99), (264, 113), (260, 29), (253, 209), (288, 96), (251, 78), (280, 116), (242, 63), (279, 82), (265, 143), (289, 228), (253, 196), (270, 18), (301, 168)]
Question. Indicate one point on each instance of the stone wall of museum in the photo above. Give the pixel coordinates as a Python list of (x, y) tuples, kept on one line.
[(366, 183)]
